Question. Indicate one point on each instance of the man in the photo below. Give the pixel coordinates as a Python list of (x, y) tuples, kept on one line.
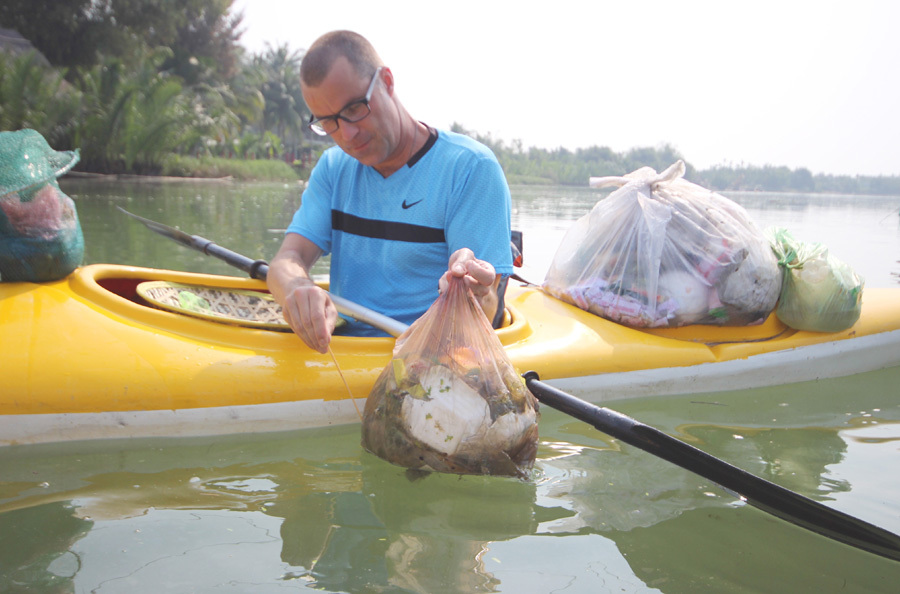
[(399, 205)]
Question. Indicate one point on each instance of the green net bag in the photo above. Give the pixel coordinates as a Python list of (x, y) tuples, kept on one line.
[(40, 236)]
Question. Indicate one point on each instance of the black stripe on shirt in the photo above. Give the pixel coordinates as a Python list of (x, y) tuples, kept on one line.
[(341, 221)]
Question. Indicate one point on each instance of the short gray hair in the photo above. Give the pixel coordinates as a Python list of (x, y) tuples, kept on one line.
[(320, 57)]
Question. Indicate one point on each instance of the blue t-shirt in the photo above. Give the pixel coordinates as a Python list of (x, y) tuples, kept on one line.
[(391, 238)]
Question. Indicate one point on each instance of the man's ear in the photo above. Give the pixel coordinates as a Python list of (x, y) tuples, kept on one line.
[(388, 80)]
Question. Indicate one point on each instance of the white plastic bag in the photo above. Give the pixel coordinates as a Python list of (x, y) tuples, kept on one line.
[(663, 252)]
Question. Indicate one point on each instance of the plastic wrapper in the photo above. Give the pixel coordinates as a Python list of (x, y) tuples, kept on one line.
[(820, 293), (663, 252), (40, 236), (450, 399)]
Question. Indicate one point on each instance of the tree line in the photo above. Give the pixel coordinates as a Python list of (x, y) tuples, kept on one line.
[(135, 84), (132, 83), (575, 167)]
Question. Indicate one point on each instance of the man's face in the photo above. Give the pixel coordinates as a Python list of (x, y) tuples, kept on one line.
[(374, 139)]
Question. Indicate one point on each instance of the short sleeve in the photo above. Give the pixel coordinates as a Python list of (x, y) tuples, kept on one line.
[(313, 219), (480, 218)]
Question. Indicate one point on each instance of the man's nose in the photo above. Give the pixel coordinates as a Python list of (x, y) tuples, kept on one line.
[(348, 130)]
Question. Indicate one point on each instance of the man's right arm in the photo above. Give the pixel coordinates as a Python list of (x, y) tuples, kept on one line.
[(307, 308)]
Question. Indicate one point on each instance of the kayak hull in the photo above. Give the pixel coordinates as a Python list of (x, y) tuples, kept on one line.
[(84, 358)]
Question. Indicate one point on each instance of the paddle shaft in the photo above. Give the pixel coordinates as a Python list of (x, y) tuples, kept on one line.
[(259, 269), (757, 491)]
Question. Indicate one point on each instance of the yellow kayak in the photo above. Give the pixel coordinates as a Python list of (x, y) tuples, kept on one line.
[(89, 357)]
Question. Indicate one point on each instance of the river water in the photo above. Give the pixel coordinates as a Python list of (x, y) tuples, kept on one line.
[(311, 510)]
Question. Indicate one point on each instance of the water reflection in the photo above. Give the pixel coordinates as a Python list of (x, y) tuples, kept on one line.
[(247, 218), (634, 489), (438, 527), (311, 507), (346, 521), (36, 544)]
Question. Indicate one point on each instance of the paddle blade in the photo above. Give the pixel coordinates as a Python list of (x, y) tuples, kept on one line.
[(164, 230)]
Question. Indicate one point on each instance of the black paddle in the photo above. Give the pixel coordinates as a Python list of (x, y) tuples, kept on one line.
[(760, 493)]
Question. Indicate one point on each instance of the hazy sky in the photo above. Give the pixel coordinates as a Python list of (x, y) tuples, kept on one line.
[(796, 83)]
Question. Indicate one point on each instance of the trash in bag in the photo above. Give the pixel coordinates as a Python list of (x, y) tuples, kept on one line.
[(663, 252), (450, 400), (40, 236), (820, 292)]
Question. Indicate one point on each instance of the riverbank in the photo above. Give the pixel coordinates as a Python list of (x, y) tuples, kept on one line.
[(209, 169), (238, 169), (127, 177)]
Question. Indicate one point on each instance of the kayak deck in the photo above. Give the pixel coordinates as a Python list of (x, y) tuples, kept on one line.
[(87, 350)]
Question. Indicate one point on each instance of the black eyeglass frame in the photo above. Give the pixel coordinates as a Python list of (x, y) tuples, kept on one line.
[(318, 125)]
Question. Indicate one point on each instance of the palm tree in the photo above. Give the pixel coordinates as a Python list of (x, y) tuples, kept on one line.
[(285, 109), (131, 119), (33, 95)]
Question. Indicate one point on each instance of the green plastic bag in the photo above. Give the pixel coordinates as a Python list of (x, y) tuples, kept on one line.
[(40, 236), (819, 292)]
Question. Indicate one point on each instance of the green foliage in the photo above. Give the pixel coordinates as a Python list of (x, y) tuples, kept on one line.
[(782, 179), (759, 178), (131, 119), (562, 166), (204, 41), (65, 32), (34, 96), (258, 146), (245, 98), (201, 33), (284, 105)]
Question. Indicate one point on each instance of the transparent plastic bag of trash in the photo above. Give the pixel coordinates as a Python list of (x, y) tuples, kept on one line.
[(820, 292), (450, 400), (660, 251)]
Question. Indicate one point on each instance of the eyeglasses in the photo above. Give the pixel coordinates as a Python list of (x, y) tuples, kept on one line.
[(352, 112)]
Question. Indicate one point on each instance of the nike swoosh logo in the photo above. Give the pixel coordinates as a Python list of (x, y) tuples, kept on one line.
[(410, 205)]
